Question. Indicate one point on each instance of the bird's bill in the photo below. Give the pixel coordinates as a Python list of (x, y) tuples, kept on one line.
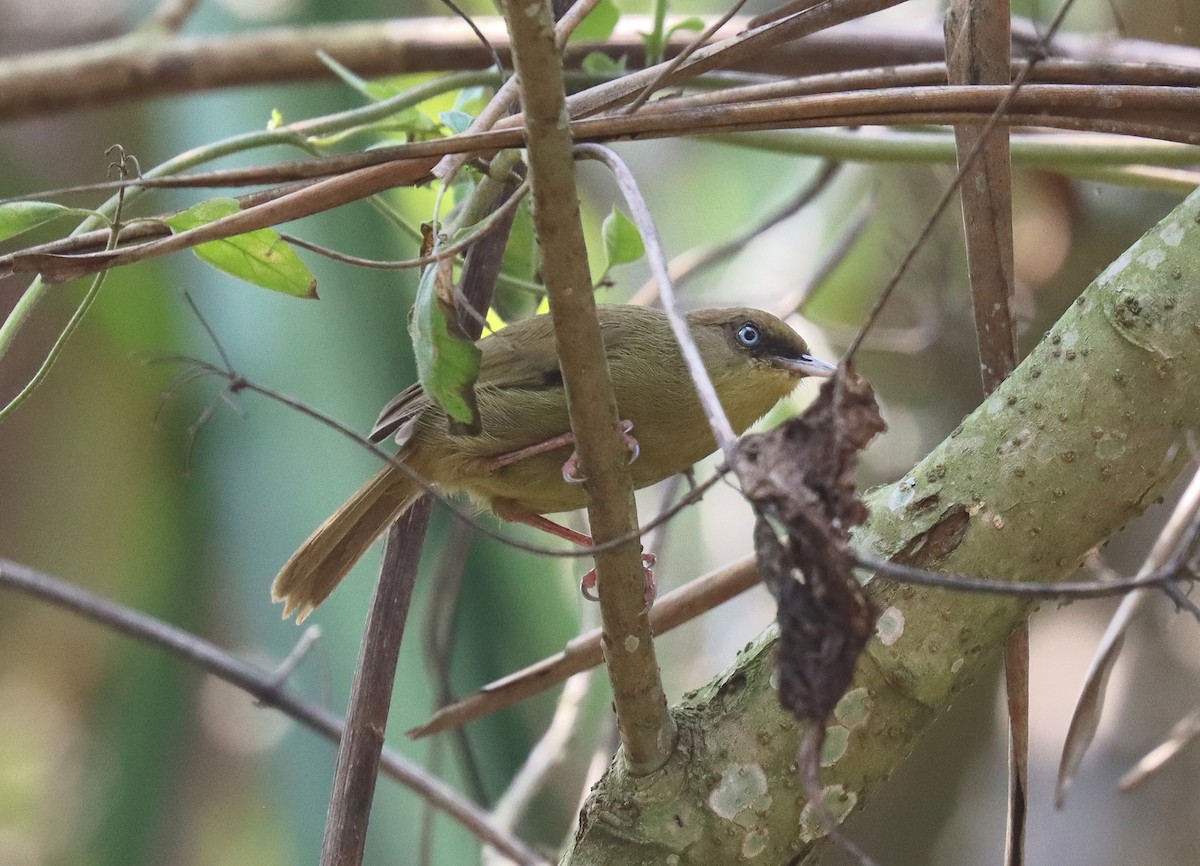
[(808, 365)]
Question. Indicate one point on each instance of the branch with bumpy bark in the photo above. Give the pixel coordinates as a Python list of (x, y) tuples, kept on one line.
[(1082, 438)]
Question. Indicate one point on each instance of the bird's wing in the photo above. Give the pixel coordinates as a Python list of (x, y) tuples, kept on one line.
[(404, 407), (519, 357)]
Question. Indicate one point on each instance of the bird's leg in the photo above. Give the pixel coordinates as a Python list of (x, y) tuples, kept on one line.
[(587, 585), (571, 466), (509, 457)]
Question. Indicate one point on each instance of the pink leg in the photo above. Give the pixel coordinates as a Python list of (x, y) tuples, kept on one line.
[(587, 584), (570, 469), (507, 459)]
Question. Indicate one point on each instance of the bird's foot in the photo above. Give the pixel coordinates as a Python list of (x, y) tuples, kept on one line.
[(588, 584), (570, 469)]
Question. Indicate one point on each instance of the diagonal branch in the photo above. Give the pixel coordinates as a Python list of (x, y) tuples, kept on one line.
[(1042, 471), (264, 686)]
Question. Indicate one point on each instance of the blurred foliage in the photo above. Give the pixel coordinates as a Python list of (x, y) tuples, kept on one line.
[(114, 754)]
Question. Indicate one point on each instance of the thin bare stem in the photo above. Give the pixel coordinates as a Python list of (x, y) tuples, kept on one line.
[(644, 219), (665, 70), (263, 685), (488, 224), (692, 262), (583, 652)]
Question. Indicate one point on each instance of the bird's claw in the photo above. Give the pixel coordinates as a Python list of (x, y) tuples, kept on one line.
[(570, 469), (588, 584)]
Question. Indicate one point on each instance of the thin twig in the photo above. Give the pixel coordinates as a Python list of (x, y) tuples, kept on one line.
[(966, 161), (261, 684), (477, 232), (688, 264), (361, 746), (644, 219), (583, 652), (1065, 590), (834, 257), (665, 69), (506, 96)]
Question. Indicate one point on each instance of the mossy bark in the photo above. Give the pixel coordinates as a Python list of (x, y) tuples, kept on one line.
[(1086, 433)]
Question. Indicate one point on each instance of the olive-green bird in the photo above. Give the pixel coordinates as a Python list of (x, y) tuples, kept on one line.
[(522, 465)]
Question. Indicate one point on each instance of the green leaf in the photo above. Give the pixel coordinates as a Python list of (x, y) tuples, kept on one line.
[(456, 121), (21, 216), (260, 257), (276, 120), (447, 359), (694, 24), (622, 240), (599, 24), (599, 63)]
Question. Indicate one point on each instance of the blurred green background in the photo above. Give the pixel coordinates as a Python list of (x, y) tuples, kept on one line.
[(112, 753)]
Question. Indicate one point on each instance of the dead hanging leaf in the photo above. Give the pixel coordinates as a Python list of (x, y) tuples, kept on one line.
[(801, 475)]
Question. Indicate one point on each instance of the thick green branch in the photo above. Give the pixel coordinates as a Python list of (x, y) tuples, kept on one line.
[(1081, 439)]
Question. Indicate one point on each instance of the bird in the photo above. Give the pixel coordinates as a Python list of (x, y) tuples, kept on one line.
[(521, 465)]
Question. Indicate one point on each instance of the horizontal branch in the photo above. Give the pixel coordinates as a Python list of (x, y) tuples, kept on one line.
[(1169, 113), (140, 68)]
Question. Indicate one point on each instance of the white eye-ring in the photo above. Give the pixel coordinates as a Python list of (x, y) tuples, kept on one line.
[(749, 335)]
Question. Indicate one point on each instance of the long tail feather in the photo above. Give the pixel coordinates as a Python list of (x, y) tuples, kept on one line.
[(315, 570)]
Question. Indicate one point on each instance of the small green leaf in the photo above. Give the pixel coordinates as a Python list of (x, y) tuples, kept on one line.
[(21, 216), (622, 240), (599, 24), (260, 257), (276, 120), (447, 359), (694, 24), (456, 121), (599, 63)]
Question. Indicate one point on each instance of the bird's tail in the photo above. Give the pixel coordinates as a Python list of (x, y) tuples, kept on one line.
[(315, 570)]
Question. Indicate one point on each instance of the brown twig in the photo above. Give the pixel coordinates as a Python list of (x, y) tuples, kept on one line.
[(264, 686), (581, 653), (687, 264), (374, 677), (506, 96), (371, 692), (647, 729), (1167, 113), (665, 69), (124, 69), (978, 45)]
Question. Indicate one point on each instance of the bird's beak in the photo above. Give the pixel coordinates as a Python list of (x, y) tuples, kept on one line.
[(808, 366)]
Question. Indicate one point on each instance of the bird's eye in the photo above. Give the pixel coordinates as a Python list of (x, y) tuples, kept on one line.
[(749, 335)]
